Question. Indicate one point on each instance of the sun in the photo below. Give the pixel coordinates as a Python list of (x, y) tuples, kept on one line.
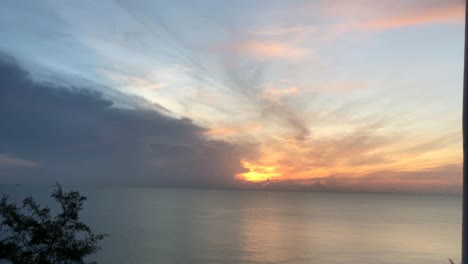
[(257, 173)]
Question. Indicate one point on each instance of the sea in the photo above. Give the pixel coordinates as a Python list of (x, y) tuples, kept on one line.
[(206, 226)]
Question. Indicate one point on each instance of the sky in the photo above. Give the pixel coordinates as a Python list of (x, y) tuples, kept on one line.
[(354, 95)]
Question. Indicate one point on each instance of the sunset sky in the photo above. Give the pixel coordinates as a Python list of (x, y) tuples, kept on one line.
[(331, 95)]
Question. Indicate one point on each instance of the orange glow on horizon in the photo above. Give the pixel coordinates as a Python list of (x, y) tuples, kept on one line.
[(258, 173), (404, 174)]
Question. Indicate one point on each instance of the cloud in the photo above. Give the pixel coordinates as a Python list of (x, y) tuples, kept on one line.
[(270, 49), (446, 179), (450, 12), (306, 128), (144, 39), (286, 115), (232, 130), (342, 86), (77, 136), (134, 82), (284, 31), (435, 143), (7, 161), (275, 93), (366, 158), (73, 135), (244, 79), (365, 15)]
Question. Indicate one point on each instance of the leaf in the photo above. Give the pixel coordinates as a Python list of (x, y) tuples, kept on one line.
[(33, 235)]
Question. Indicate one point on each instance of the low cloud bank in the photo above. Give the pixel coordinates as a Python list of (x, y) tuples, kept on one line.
[(73, 135)]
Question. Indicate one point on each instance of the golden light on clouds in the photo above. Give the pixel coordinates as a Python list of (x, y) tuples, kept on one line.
[(355, 162), (258, 173), (449, 13), (231, 130), (270, 49), (343, 93)]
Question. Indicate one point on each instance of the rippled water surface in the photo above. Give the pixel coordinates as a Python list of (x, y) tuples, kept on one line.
[(148, 225)]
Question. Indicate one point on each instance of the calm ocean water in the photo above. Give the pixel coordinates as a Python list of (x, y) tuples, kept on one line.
[(148, 225)]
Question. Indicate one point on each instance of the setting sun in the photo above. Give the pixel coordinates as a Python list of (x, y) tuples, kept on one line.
[(258, 173)]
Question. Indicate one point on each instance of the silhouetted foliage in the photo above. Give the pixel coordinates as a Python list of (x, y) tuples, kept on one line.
[(31, 235)]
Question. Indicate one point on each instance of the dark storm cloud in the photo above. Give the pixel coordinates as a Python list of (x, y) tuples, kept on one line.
[(73, 135)]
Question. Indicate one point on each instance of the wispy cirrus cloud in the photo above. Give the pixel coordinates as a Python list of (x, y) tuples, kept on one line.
[(360, 153), (7, 161), (261, 49), (342, 86), (232, 130), (284, 31), (298, 79), (134, 82), (364, 15), (448, 14)]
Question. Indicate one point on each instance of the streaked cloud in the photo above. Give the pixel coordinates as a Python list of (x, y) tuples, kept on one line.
[(446, 12), (284, 31), (7, 161), (358, 153), (342, 86), (384, 15), (270, 49), (233, 130), (305, 93), (271, 92), (134, 82)]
